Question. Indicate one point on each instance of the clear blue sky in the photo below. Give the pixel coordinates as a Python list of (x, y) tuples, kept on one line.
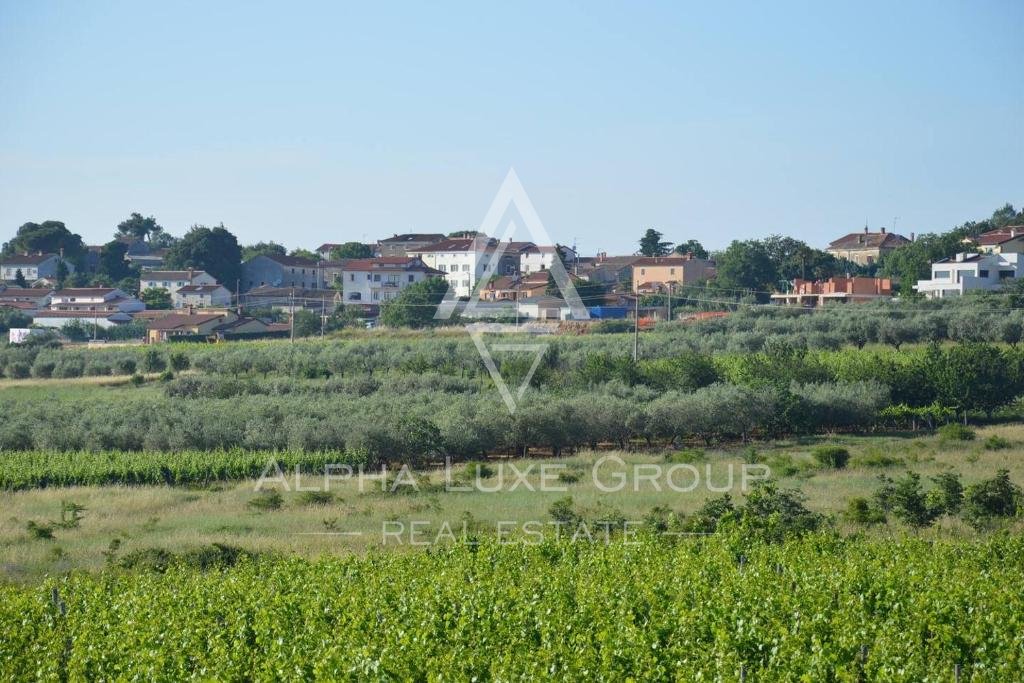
[(310, 122)]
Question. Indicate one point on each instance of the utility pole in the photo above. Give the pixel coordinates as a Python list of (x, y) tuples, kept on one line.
[(323, 315), (636, 326), (670, 285), (238, 297), (291, 308)]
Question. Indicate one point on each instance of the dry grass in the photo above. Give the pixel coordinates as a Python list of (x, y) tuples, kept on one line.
[(179, 518)]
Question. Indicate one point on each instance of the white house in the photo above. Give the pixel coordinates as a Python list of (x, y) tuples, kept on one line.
[(467, 261), (967, 272), (32, 266), (104, 306), (544, 308), (534, 259), (376, 280), (201, 296), (173, 280)]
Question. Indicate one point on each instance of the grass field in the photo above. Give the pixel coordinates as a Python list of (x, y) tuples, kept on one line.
[(369, 514)]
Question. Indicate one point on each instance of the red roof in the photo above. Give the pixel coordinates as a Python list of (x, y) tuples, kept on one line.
[(28, 259), (170, 322), (993, 237), (84, 291), (868, 240), (662, 260)]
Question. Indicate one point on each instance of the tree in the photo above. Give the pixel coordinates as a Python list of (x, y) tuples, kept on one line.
[(459, 234), (19, 278), (142, 229), (304, 253), (214, 250), (590, 293), (651, 244), (263, 249), (62, 273), (351, 250), (156, 298), (745, 266), (415, 305), (48, 237), (306, 323), (112, 262), (692, 247)]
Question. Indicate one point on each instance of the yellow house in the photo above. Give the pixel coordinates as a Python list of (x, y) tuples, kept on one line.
[(1008, 240), (186, 324), (654, 273)]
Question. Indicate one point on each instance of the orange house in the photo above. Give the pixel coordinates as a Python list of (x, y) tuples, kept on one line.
[(835, 289), (655, 273)]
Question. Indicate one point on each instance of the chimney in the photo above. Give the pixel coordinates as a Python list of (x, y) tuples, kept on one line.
[(865, 229), (883, 230), (911, 237), (191, 274)]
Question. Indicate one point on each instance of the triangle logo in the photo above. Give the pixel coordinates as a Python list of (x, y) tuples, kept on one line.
[(476, 333), (510, 202)]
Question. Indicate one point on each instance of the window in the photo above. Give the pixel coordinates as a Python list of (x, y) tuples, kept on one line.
[(940, 275), (643, 271), (376, 277), (983, 273), (351, 277), (671, 271), (465, 268), (412, 278), (1004, 274)]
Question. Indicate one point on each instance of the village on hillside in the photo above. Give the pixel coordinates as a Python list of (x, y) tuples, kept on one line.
[(146, 285)]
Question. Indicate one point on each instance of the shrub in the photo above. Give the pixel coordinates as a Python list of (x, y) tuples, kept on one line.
[(563, 511), (153, 361), (997, 443), (996, 497), (19, 370), (97, 368), (43, 369), (137, 380), (316, 498), (179, 361), (876, 458), (166, 375), (905, 498), (479, 470), (948, 495), (860, 511), (835, 457), (265, 501), (125, 366), (710, 514), (954, 431), (39, 531)]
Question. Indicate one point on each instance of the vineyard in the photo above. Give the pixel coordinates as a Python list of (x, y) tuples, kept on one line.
[(818, 609)]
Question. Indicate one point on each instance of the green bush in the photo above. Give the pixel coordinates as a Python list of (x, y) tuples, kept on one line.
[(997, 443), (860, 511), (153, 361), (832, 456), (265, 501), (954, 431), (125, 366), (992, 498), (316, 498)]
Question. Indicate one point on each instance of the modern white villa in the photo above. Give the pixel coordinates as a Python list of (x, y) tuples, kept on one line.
[(967, 272)]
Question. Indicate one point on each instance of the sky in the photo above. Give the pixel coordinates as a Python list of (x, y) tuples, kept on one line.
[(306, 122)]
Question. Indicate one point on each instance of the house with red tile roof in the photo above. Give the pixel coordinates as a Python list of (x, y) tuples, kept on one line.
[(866, 248)]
